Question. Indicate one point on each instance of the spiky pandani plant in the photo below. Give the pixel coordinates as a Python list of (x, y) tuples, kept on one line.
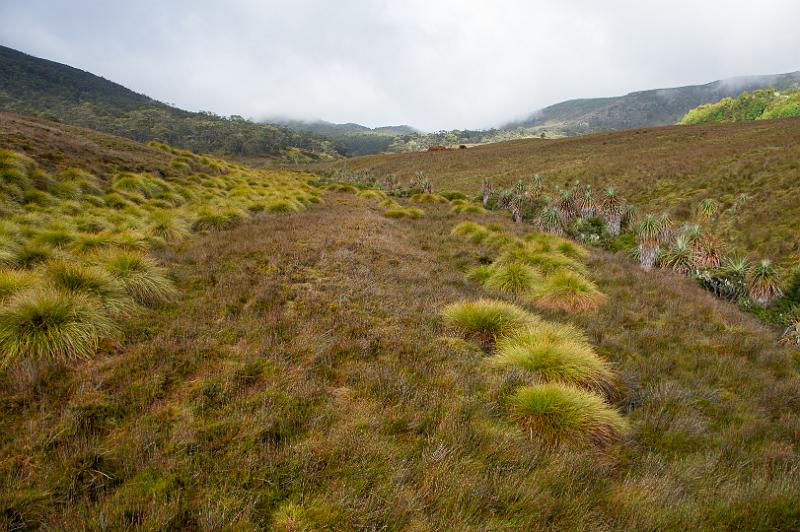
[(612, 209), (666, 229), (648, 234), (691, 232), (729, 281), (585, 203), (762, 283), (519, 187), (536, 184), (708, 209), (426, 186), (516, 206), (550, 221), (565, 204), (486, 191), (505, 199), (390, 183), (708, 253), (679, 257)]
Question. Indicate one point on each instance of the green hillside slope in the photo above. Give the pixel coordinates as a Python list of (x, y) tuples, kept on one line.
[(33, 86)]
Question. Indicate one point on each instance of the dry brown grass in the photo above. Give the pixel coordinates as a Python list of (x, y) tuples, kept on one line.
[(304, 380)]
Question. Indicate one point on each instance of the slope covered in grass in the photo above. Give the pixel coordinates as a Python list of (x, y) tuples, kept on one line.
[(662, 169), (758, 105), (304, 380)]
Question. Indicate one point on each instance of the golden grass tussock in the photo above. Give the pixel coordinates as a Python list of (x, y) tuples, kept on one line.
[(567, 291), (404, 212), (513, 278), (554, 353), (426, 197), (487, 319), (50, 324), (560, 413)]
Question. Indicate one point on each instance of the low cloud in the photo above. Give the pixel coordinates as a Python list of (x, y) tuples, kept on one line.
[(434, 65)]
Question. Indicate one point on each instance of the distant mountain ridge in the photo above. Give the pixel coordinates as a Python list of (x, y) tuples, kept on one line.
[(47, 89), (655, 107)]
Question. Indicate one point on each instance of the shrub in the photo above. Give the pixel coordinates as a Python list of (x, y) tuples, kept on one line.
[(568, 291), (559, 413), (144, 281), (513, 278), (555, 353), (487, 319), (48, 324)]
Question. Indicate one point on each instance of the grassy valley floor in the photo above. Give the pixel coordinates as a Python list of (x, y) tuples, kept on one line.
[(305, 380)]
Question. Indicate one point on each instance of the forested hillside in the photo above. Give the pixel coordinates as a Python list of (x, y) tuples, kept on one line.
[(33, 86)]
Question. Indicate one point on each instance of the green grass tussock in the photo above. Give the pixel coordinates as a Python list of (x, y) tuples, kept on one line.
[(563, 414), (404, 212), (554, 353), (487, 319), (49, 324), (142, 279), (513, 278), (568, 291), (426, 197), (13, 281)]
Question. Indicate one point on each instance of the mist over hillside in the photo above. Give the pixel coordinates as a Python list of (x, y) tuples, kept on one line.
[(648, 108)]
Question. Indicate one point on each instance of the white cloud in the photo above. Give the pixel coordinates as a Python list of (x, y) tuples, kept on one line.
[(443, 64)]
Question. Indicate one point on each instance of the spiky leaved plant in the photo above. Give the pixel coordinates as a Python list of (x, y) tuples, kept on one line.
[(762, 283), (536, 185), (612, 209), (486, 191), (427, 186), (505, 199), (565, 204), (679, 256), (550, 221), (708, 209), (692, 233), (707, 253), (519, 187), (648, 234), (516, 206), (584, 201), (666, 229)]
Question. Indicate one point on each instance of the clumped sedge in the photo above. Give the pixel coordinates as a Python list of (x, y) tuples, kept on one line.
[(13, 281), (487, 319), (49, 324), (73, 277), (568, 291), (554, 353), (427, 197), (169, 226), (404, 212), (143, 280), (513, 278), (550, 221), (545, 262), (561, 414), (219, 219)]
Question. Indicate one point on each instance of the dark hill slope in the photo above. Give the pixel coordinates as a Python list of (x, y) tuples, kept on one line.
[(645, 108), (34, 86)]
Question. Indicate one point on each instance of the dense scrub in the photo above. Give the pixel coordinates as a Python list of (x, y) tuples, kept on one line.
[(305, 381), (758, 105)]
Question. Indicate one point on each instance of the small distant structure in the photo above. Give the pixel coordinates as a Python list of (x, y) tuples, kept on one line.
[(437, 147), (462, 147)]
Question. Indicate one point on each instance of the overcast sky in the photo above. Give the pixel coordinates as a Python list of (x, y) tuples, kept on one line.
[(434, 64)]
